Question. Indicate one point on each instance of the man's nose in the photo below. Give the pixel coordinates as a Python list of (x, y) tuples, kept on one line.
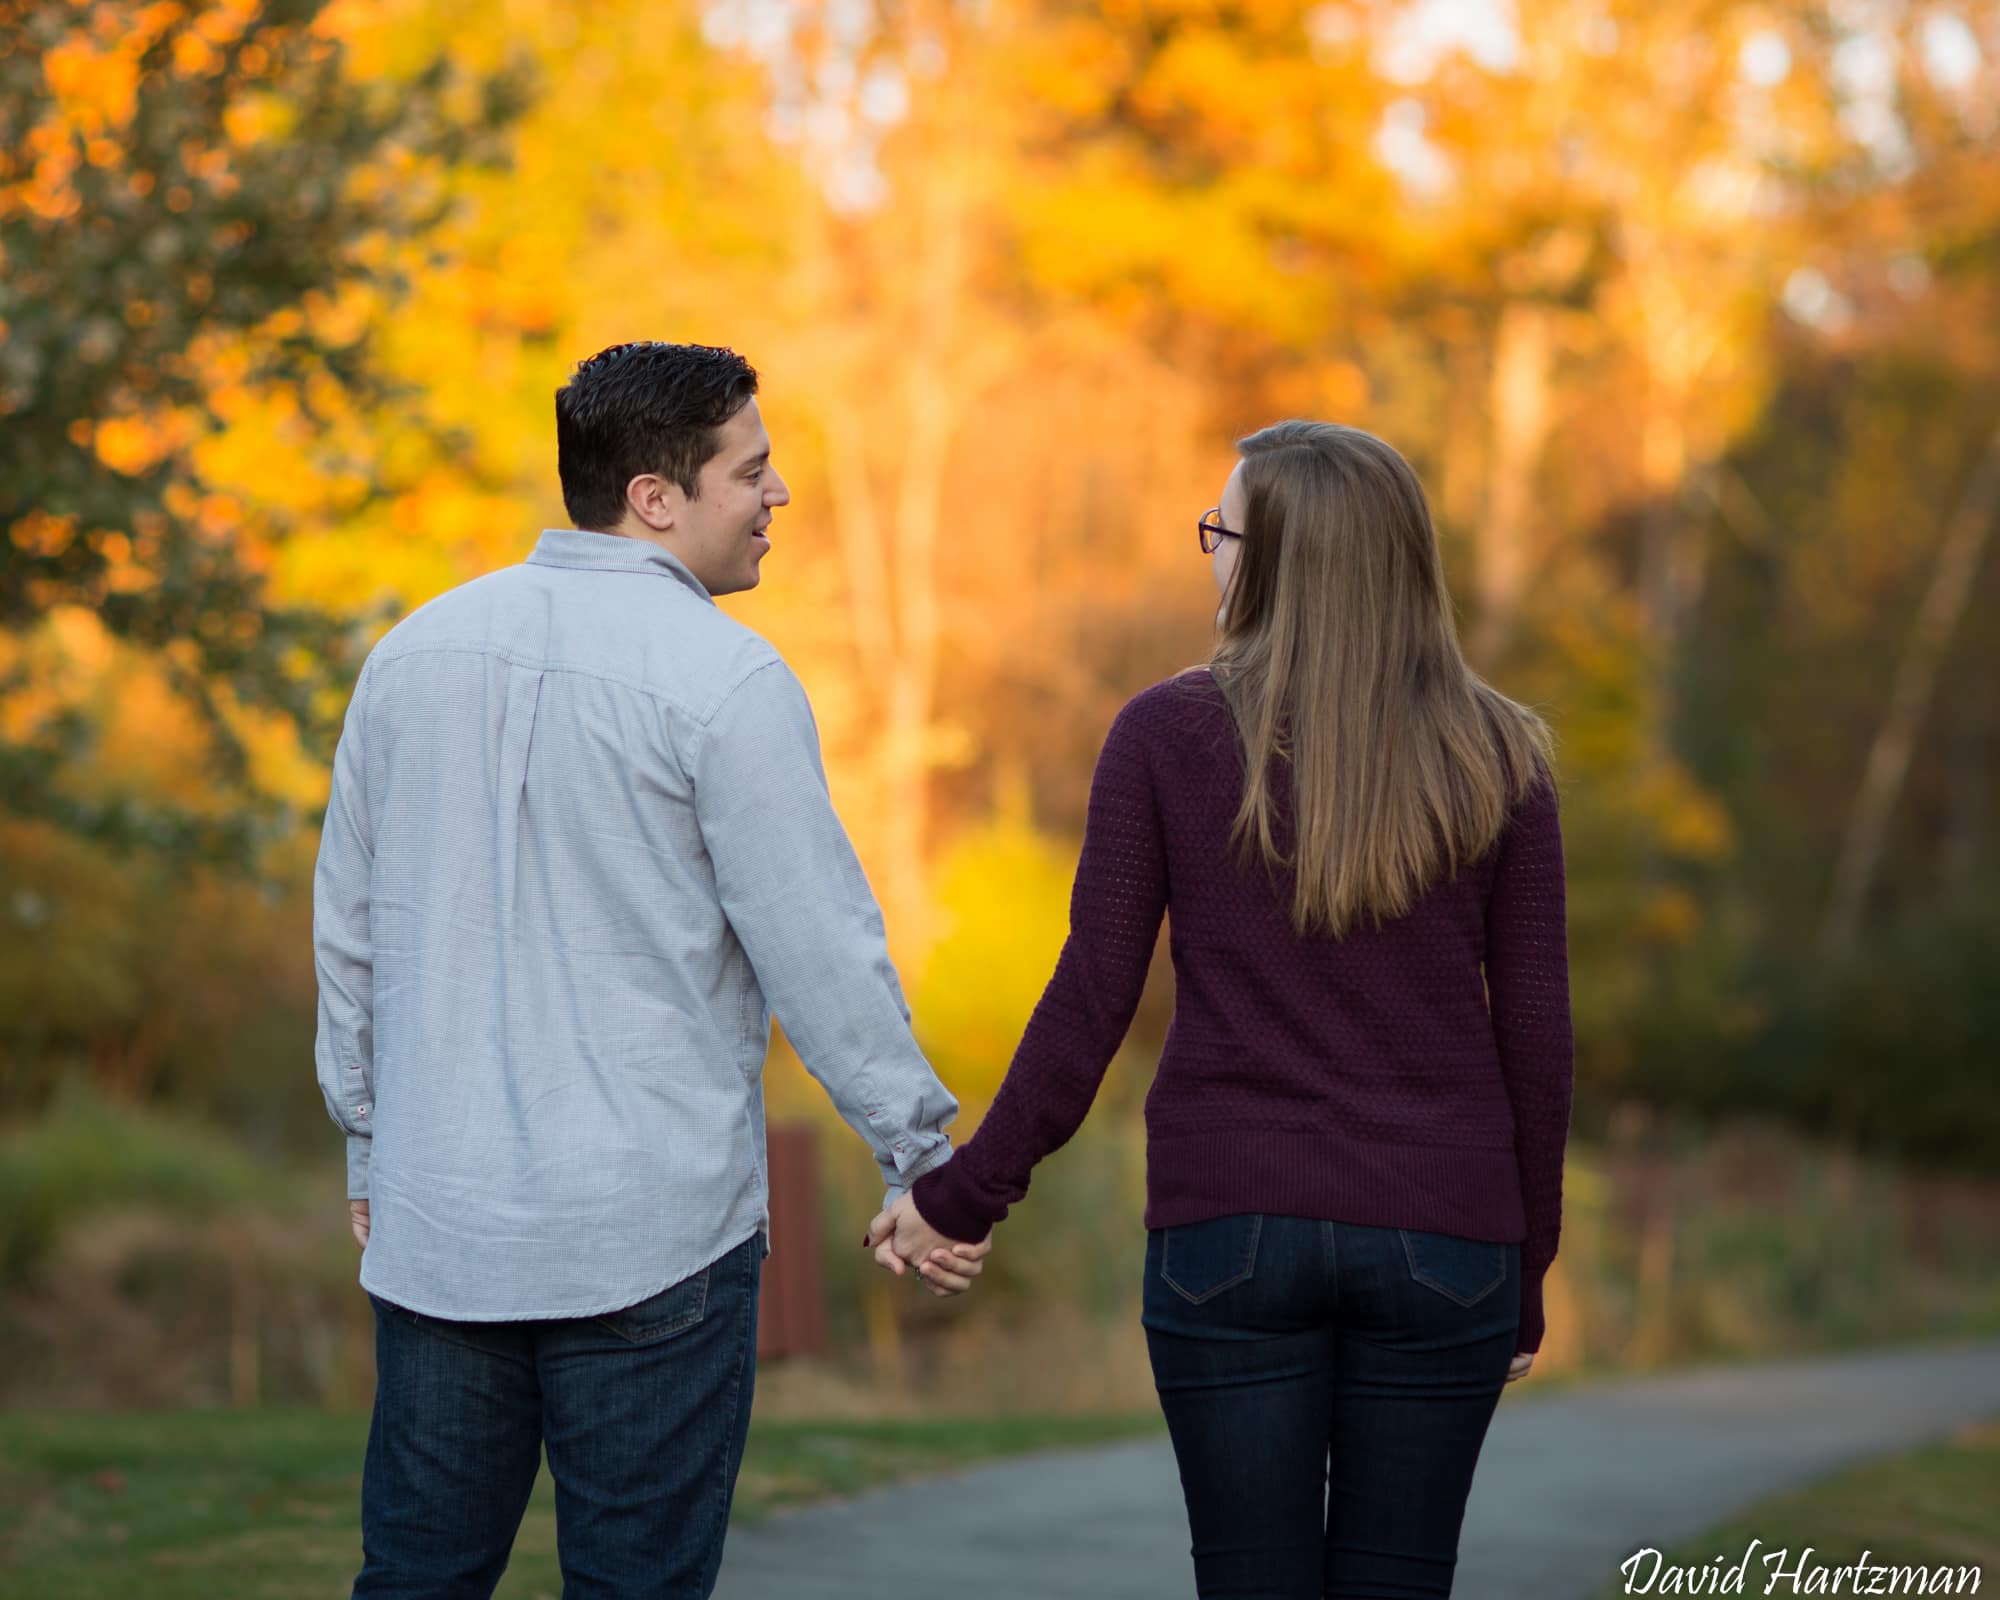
[(779, 494)]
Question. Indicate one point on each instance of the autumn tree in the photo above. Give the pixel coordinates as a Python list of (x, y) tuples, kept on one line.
[(198, 206)]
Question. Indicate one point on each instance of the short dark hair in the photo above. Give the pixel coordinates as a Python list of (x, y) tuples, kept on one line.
[(638, 408)]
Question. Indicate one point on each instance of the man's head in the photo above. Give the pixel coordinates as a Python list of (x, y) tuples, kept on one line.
[(663, 442)]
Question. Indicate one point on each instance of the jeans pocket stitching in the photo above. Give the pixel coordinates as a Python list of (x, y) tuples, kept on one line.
[(1249, 1267), (464, 1335), (1419, 1275), (666, 1326)]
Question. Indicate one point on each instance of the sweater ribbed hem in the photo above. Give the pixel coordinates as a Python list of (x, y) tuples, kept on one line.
[(1475, 1194)]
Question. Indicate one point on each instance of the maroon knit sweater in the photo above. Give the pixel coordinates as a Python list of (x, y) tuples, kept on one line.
[(1415, 1075)]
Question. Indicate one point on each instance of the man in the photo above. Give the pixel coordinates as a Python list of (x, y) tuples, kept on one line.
[(578, 840)]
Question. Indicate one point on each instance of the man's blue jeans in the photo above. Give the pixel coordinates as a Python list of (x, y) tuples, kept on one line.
[(643, 1412), (1292, 1355)]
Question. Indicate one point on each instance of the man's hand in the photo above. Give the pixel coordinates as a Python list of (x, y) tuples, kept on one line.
[(1518, 1367), (904, 1242), (357, 1217)]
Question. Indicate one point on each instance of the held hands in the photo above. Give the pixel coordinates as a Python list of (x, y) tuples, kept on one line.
[(904, 1242), (357, 1219), (1518, 1367)]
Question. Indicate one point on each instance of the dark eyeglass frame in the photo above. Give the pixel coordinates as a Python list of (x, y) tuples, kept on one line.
[(1212, 532)]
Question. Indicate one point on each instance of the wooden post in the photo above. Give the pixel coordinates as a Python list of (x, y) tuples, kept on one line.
[(791, 1317)]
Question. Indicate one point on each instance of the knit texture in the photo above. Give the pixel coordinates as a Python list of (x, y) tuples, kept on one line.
[(1416, 1075)]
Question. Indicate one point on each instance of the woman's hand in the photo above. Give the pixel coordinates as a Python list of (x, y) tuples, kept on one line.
[(1518, 1367), (903, 1241)]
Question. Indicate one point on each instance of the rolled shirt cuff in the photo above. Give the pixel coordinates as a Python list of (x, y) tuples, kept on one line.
[(357, 1165), (899, 1185)]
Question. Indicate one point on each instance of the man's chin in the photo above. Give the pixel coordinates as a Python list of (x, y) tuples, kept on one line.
[(736, 582)]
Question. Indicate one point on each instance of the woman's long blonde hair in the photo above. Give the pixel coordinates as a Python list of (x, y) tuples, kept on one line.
[(1338, 655)]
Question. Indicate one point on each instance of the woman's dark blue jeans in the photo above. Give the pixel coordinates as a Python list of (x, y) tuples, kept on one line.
[(1328, 1387), (644, 1413)]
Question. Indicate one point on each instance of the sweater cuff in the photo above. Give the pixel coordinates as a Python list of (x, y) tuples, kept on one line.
[(1529, 1339), (946, 1199)]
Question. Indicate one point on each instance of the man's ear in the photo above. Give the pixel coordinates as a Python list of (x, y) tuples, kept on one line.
[(654, 500)]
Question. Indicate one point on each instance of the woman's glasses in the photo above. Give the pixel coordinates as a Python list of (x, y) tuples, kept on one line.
[(1213, 532)]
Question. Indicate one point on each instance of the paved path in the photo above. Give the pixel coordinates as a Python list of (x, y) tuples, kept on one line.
[(1568, 1485)]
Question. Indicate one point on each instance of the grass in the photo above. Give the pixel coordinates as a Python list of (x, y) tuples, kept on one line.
[(224, 1505), (1934, 1507)]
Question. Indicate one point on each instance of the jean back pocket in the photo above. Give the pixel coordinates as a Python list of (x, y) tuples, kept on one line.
[(673, 1310), (1462, 1270), (1198, 1260)]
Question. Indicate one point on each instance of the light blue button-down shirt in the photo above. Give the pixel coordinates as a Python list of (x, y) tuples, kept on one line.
[(578, 846)]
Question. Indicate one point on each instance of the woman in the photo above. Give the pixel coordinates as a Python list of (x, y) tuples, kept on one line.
[(1355, 1138)]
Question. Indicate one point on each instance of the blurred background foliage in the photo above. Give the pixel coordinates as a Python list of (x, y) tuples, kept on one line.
[(1687, 311)]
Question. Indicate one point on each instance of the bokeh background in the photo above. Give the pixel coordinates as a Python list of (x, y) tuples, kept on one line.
[(1687, 311)]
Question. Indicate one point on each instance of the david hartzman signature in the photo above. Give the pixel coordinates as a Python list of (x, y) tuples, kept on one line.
[(1648, 1572)]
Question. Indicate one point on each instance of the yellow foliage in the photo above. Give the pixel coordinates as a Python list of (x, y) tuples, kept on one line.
[(97, 88), (75, 664), (226, 20), (1002, 899), (41, 533), (149, 22), (149, 739), (278, 764), (133, 444), (1670, 916), (253, 119), (1695, 827), (47, 192), (218, 515), (194, 56)]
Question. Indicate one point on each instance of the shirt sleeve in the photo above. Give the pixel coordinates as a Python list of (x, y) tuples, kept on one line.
[(1527, 985), (797, 899), (344, 1050), (1116, 903)]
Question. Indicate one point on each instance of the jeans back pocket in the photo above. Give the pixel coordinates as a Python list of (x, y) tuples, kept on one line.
[(673, 1310), (1198, 1260), (1462, 1270)]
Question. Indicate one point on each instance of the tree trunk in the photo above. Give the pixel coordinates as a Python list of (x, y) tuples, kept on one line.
[(858, 528), (930, 413), (1965, 539), (1462, 487), (1523, 356)]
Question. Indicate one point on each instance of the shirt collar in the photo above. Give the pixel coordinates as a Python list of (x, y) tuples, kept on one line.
[(611, 552)]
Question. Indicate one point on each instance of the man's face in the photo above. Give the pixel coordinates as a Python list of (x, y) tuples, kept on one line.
[(721, 534)]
